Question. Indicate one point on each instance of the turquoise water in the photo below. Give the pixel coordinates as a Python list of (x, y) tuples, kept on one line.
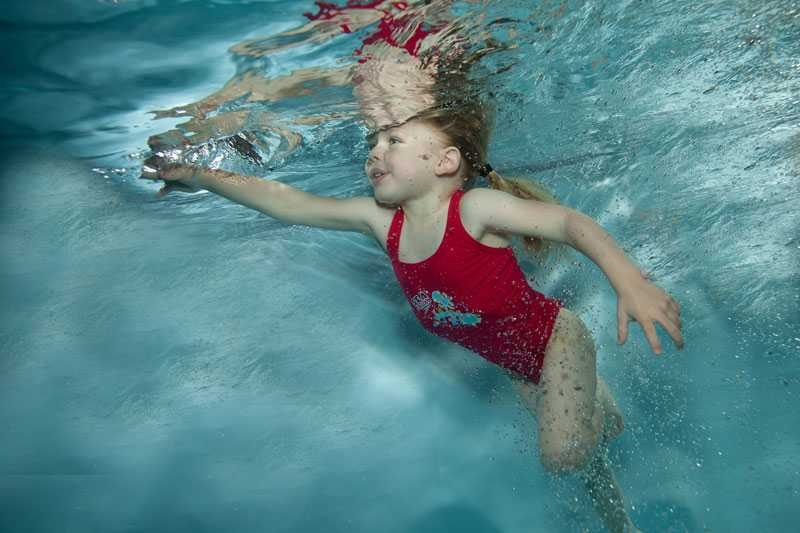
[(187, 364)]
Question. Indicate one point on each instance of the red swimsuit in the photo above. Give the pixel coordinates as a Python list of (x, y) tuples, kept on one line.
[(477, 296), (400, 31)]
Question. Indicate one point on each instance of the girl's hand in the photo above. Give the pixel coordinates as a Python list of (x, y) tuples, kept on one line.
[(644, 303), (176, 175)]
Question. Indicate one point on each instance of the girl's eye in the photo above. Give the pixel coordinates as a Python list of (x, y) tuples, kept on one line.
[(393, 140)]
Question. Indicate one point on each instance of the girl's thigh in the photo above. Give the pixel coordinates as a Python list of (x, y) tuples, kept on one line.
[(564, 400)]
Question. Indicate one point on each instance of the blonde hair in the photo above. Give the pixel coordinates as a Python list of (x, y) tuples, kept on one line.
[(466, 126)]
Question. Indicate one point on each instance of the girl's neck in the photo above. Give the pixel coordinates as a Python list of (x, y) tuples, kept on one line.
[(427, 209)]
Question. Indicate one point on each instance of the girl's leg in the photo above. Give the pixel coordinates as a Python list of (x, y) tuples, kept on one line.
[(614, 422), (571, 409), (605, 494)]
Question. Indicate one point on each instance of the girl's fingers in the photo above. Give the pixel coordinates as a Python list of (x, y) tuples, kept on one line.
[(672, 314), (674, 331), (152, 167), (149, 173), (155, 161), (672, 326), (667, 313), (168, 188), (622, 325), (652, 336), (180, 186)]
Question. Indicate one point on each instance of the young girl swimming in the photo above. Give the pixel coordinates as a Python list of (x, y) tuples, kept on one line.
[(448, 242)]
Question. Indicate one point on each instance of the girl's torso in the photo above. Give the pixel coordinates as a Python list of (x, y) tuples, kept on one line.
[(416, 246), (464, 284)]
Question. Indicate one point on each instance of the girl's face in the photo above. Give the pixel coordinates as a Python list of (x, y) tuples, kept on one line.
[(402, 161)]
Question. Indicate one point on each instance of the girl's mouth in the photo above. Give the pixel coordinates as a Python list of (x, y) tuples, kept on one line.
[(376, 176)]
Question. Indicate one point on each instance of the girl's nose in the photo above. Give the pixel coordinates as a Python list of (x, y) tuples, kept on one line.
[(374, 155)]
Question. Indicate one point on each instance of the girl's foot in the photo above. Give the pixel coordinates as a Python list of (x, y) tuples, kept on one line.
[(630, 527)]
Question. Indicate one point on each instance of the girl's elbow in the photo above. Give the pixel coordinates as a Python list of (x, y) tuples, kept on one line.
[(574, 226)]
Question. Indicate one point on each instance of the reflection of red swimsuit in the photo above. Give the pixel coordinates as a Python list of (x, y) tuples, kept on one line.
[(477, 296), (390, 28)]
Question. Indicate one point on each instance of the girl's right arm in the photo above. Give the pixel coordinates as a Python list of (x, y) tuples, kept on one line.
[(273, 198)]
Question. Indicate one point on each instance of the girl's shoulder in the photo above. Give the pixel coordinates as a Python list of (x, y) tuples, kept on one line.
[(478, 203), (476, 207)]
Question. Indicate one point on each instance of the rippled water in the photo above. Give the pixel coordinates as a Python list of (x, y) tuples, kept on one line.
[(189, 364)]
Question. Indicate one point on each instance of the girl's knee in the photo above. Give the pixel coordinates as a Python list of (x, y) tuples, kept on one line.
[(572, 451), (568, 457)]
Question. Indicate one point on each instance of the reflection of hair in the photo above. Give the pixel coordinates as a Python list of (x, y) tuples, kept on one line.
[(467, 126)]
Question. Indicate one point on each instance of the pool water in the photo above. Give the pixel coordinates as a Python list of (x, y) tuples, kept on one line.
[(188, 364)]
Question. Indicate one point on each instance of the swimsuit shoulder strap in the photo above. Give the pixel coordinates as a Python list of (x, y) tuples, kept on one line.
[(393, 239), (453, 214)]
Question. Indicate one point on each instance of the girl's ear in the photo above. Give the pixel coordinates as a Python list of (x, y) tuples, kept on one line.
[(449, 161)]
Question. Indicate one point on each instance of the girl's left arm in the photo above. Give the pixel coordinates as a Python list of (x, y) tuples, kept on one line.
[(637, 298)]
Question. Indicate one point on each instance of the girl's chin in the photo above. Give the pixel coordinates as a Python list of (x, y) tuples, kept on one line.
[(385, 202), (384, 199)]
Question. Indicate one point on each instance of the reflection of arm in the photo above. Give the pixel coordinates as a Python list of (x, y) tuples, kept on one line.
[(258, 88), (234, 126), (352, 18), (313, 32), (195, 131), (299, 82)]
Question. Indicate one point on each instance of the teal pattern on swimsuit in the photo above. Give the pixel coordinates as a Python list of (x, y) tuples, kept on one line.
[(446, 312)]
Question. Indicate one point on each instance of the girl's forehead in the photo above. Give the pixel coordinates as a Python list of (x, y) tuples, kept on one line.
[(426, 132), (414, 128), (418, 127)]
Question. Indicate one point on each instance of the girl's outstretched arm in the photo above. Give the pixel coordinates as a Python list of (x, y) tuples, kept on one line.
[(273, 198), (637, 298)]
